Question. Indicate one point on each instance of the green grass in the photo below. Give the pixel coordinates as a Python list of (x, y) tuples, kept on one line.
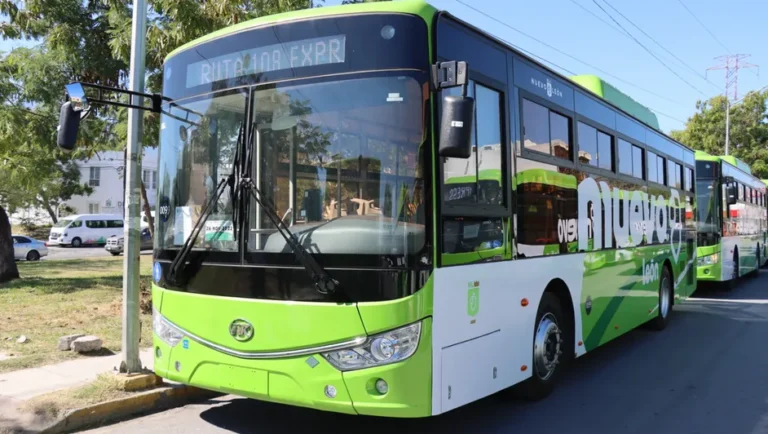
[(57, 298)]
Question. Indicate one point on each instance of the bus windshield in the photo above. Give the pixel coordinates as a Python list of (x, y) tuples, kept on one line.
[(341, 161), (706, 205)]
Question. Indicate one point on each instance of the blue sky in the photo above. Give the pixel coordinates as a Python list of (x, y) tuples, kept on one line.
[(737, 24)]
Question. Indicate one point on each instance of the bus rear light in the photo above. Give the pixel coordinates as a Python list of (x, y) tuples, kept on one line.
[(382, 349)]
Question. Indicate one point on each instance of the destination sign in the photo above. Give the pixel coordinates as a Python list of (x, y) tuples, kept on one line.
[(295, 54)]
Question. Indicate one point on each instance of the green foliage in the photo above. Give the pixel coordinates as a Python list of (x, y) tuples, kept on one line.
[(705, 130)]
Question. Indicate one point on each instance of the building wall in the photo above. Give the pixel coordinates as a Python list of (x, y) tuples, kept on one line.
[(108, 193)]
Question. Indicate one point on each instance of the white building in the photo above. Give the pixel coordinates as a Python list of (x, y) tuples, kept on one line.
[(104, 173)]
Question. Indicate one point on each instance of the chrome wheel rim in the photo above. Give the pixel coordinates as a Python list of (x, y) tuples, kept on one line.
[(666, 293), (546, 346)]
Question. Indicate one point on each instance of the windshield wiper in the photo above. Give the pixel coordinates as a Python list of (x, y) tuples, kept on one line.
[(181, 257), (324, 283)]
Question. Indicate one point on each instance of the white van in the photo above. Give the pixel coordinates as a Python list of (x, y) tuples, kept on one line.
[(76, 230), (144, 221)]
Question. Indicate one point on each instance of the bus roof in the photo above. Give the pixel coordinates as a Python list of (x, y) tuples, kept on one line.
[(416, 7), (703, 156), (736, 162), (605, 90), (611, 95)]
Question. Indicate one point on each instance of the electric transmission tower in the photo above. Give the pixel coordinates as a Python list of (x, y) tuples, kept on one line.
[(731, 63)]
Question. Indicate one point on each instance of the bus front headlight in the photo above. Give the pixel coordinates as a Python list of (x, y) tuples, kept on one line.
[(165, 330), (381, 349), (707, 260)]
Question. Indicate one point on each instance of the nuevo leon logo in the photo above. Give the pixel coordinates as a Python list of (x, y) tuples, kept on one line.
[(548, 87)]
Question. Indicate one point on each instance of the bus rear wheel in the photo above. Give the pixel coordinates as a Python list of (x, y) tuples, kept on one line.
[(756, 271), (666, 295), (548, 346)]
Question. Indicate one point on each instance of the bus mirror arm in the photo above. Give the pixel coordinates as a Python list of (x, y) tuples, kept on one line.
[(457, 111), (78, 107)]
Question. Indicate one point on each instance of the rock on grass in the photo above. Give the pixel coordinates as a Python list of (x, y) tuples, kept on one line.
[(86, 344)]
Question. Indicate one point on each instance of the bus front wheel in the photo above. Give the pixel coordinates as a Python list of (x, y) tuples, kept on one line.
[(548, 349)]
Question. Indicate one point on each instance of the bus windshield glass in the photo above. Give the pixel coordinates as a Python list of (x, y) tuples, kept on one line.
[(340, 160), (198, 140), (706, 205)]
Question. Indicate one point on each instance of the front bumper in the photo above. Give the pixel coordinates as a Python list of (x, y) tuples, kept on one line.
[(111, 248), (302, 380)]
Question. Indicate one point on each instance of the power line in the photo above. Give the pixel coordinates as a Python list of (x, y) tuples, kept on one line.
[(649, 51), (702, 25), (570, 56), (662, 47), (616, 29), (706, 28)]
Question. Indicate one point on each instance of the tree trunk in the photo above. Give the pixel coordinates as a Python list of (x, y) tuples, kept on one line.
[(8, 269), (43, 201), (147, 209)]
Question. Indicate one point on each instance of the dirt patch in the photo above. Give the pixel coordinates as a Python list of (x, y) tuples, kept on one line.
[(106, 387)]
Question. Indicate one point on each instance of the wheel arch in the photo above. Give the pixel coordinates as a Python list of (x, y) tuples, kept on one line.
[(560, 289), (668, 265)]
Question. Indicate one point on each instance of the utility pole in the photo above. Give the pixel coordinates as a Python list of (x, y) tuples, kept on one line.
[(131, 326), (731, 64)]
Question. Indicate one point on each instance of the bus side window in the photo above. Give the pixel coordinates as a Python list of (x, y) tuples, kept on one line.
[(477, 237)]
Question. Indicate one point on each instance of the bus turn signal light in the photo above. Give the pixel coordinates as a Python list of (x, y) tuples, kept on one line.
[(524, 302)]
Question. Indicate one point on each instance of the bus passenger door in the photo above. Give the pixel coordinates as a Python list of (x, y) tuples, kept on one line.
[(471, 296)]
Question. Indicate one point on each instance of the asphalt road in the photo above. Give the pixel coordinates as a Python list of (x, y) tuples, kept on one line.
[(706, 373)]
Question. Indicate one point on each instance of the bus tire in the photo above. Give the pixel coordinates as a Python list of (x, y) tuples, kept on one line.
[(758, 258), (666, 298), (548, 350), (76, 242)]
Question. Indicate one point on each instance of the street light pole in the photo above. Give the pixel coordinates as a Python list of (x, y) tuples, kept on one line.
[(131, 326)]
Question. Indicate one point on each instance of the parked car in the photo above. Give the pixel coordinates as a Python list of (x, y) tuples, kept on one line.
[(86, 229), (115, 244), (28, 248)]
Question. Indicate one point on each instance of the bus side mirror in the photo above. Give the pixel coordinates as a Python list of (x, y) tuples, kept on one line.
[(456, 126), (69, 124), (69, 118), (732, 194)]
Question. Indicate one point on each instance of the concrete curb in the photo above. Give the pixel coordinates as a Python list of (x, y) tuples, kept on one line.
[(161, 398)]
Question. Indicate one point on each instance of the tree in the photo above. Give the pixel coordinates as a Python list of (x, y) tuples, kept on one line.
[(705, 130), (90, 41), (48, 185), (8, 269)]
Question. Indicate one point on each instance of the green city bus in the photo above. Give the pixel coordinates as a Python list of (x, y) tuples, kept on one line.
[(381, 257), (732, 218)]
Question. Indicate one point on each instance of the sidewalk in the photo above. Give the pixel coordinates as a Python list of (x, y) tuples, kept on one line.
[(18, 386)]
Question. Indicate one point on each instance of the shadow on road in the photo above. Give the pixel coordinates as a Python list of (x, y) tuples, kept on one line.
[(706, 373)]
